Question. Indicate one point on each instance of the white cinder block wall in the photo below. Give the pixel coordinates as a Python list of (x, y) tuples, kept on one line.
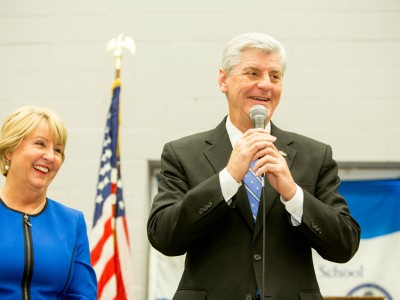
[(341, 85)]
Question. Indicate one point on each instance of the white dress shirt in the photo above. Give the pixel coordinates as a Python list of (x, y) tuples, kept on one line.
[(229, 186)]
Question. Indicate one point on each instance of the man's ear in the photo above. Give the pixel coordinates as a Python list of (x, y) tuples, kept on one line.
[(222, 80)]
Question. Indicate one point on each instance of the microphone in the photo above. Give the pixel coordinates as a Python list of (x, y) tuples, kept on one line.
[(258, 114)]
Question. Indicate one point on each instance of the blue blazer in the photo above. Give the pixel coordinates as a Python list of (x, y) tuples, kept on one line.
[(49, 259), (223, 245)]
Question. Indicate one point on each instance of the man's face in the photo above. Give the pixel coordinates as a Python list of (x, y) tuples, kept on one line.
[(257, 79)]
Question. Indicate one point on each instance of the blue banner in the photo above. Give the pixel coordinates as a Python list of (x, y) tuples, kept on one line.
[(375, 204), (373, 271)]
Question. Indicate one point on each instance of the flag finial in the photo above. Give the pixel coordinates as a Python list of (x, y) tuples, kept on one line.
[(116, 45)]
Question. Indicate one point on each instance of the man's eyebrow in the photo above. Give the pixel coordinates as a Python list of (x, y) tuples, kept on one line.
[(250, 68), (276, 72)]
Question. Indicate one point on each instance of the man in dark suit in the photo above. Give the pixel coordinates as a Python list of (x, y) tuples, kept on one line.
[(202, 207)]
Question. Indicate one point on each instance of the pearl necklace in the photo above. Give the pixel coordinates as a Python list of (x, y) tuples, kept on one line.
[(41, 205)]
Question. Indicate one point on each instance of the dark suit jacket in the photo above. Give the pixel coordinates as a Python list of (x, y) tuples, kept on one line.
[(223, 246)]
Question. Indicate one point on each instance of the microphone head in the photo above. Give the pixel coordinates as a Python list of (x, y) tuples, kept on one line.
[(258, 114)]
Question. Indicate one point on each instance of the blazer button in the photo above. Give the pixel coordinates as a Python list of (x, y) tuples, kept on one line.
[(249, 297), (257, 257), (201, 211), (313, 225)]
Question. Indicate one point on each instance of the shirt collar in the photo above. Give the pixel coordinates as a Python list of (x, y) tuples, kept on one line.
[(234, 133)]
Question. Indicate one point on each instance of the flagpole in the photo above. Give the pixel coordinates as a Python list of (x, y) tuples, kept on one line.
[(117, 45), (110, 207)]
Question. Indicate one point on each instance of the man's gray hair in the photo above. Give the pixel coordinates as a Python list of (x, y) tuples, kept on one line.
[(232, 52)]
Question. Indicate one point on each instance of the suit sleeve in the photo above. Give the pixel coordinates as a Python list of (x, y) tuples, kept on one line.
[(327, 222), (189, 201)]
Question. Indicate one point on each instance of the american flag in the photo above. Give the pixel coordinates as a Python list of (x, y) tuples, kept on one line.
[(109, 239)]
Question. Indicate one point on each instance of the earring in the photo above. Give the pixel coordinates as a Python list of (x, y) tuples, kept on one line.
[(6, 167)]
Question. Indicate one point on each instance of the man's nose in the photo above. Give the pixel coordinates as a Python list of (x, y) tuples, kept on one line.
[(265, 82)]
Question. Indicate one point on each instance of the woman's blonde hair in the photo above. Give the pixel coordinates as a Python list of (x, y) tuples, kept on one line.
[(22, 122)]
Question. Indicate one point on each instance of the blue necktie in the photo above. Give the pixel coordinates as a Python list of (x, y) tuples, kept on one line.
[(253, 186)]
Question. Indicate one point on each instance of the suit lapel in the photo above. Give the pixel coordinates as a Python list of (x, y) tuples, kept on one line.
[(219, 149), (283, 143), (218, 154)]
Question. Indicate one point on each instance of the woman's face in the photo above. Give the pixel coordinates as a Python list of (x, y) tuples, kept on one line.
[(36, 161)]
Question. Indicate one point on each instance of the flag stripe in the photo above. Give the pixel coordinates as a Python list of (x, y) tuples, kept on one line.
[(96, 252), (109, 291), (108, 272), (106, 254)]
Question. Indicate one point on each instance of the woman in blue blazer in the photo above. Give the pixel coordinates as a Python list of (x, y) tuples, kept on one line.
[(44, 245)]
